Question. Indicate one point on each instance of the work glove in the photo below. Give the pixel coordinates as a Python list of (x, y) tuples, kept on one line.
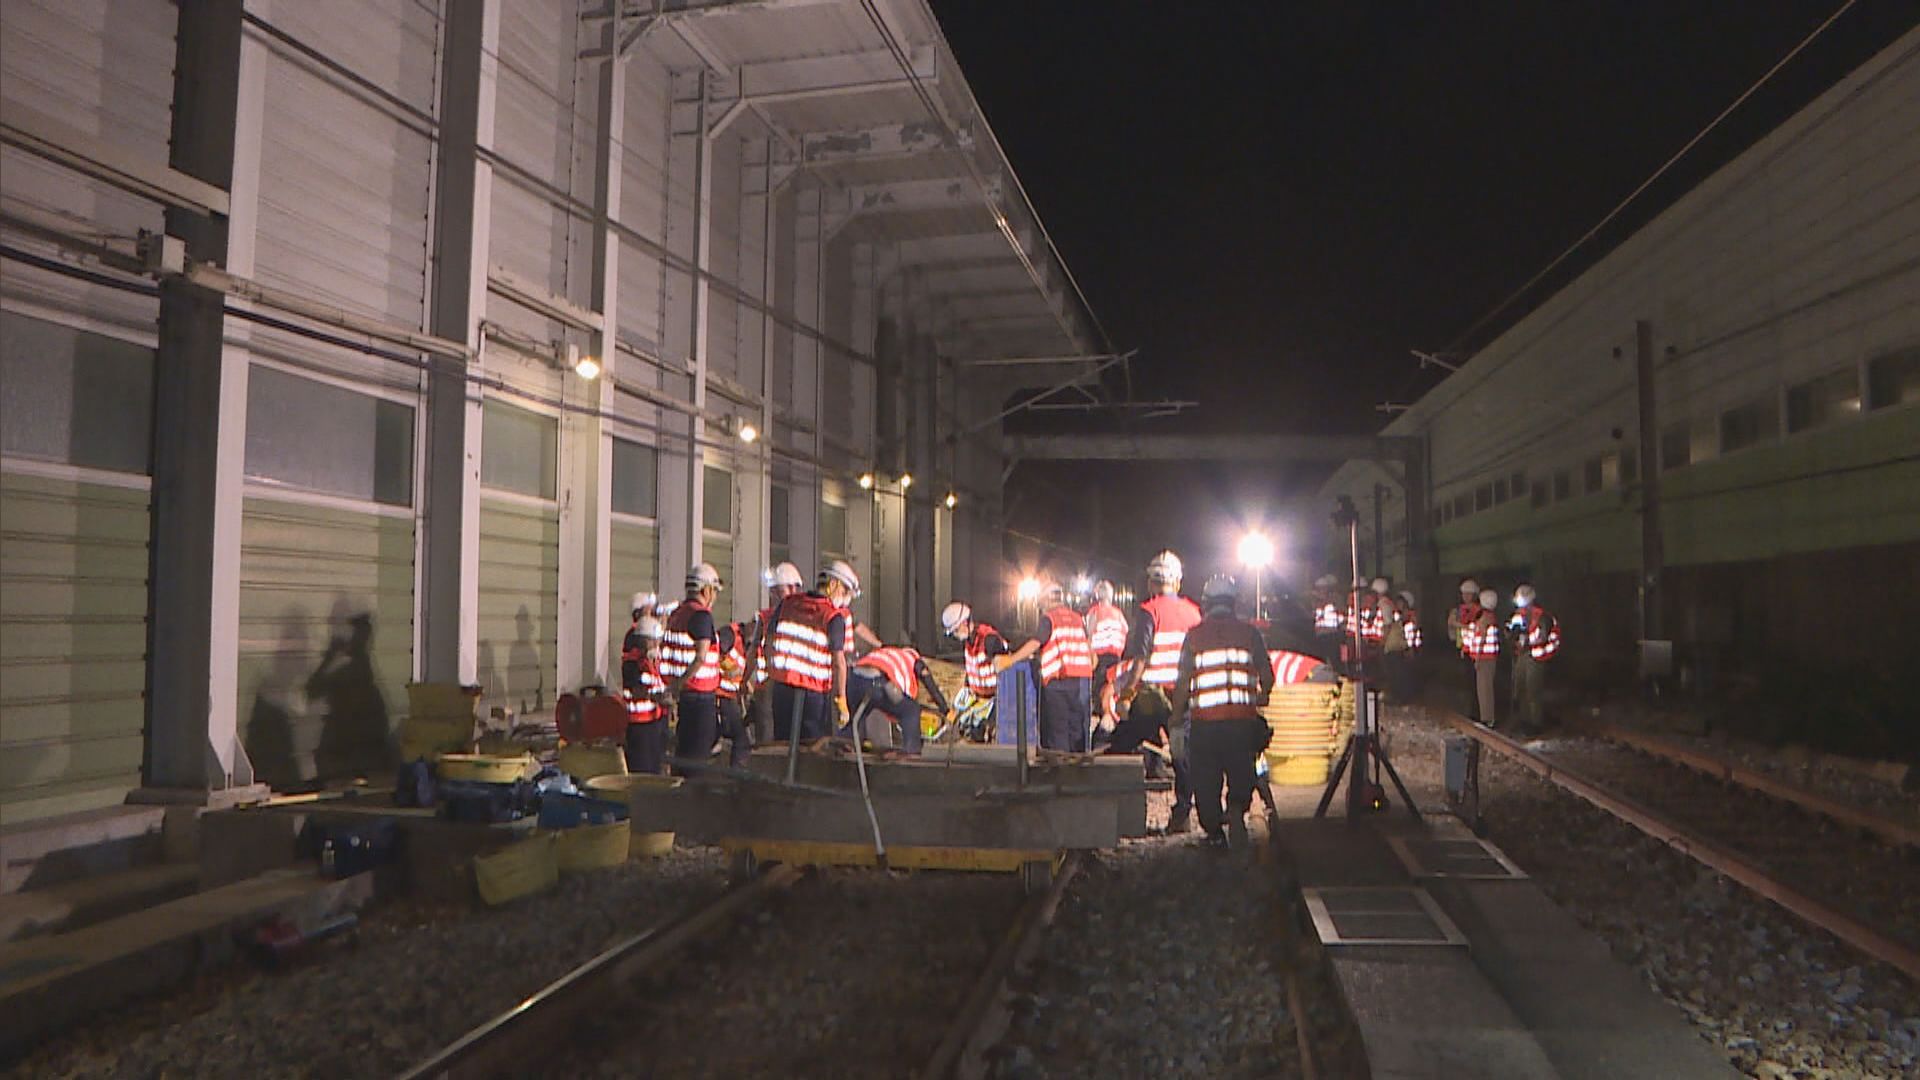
[(840, 705), (1002, 662)]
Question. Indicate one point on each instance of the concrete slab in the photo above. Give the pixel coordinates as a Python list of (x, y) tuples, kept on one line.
[(37, 854), (49, 982), (1428, 1014), (74, 904)]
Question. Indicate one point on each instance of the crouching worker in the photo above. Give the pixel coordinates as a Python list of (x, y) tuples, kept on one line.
[(888, 681), (1225, 677), (644, 691)]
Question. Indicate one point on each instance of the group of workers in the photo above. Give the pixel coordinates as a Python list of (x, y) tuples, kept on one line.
[(1180, 682)]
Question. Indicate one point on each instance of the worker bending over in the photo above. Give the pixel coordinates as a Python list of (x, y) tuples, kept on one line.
[(981, 646), (808, 654), (888, 680), (781, 581), (1152, 661), (644, 690), (1535, 634), (1107, 633), (1223, 680), (1066, 673)]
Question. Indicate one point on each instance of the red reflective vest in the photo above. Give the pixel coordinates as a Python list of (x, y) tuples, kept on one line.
[(1292, 667), (1540, 635), (1480, 638), (1173, 615), (799, 642), (641, 708), (1372, 620), (761, 624), (1107, 630), (1226, 678), (1410, 626), (1326, 616), (897, 664), (679, 652), (1066, 655), (735, 658), (981, 678)]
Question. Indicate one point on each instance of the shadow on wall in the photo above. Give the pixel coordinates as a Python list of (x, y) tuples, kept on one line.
[(528, 688), (270, 739), (356, 735)]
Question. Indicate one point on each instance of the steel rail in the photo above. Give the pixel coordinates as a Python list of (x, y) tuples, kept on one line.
[(1891, 829), (983, 1016), (1706, 852), (502, 1045)]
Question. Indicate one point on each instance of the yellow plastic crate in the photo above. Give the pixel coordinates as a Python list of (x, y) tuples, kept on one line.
[(520, 869), (439, 701), (1298, 770), (486, 768), (586, 762), (594, 847)]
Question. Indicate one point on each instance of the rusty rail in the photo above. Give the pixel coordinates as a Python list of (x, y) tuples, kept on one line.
[(1707, 853), (983, 1017), (503, 1045), (1890, 829)]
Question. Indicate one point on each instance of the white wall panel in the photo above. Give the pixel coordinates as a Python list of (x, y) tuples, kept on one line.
[(643, 202)]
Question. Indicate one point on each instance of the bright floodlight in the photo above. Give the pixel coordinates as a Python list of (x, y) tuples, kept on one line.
[(1256, 550), (748, 433), (1029, 588), (866, 481), (952, 500), (587, 367), (1083, 584), (906, 480)]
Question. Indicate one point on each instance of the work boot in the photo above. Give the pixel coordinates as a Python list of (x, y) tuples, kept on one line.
[(1180, 822), (1216, 841), (1237, 834)]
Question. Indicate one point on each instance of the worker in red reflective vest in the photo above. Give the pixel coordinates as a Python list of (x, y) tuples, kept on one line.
[(1066, 673), (1152, 663), (1397, 648), (1223, 678), (980, 645), (730, 640), (1327, 620), (888, 681), (781, 581), (1292, 667), (644, 691), (1107, 633), (1458, 617), (690, 662), (807, 649), (1480, 643), (1535, 635)]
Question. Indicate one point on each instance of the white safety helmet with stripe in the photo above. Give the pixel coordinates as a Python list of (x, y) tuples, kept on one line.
[(1220, 589), (651, 628), (1406, 597), (1469, 589), (783, 575), (1489, 599), (1103, 592), (1380, 586), (704, 576), (643, 601), (839, 571), (954, 617), (1165, 569), (1523, 596)]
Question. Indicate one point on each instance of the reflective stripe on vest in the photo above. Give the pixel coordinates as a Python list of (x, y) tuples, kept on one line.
[(1109, 637), (981, 678), (760, 668), (1410, 626), (679, 651), (1173, 616), (641, 708), (1066, 655), (1543, 635), (1225, 682), (1480, 643), (1326, 617), (799, 642), (1373, 624), (1292, 667), (897, 664), (736, 659)]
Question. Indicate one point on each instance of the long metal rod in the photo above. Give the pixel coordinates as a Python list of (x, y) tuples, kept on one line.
[(1706, 852)]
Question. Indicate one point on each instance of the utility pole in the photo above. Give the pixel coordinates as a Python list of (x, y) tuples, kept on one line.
[(1652, 556)]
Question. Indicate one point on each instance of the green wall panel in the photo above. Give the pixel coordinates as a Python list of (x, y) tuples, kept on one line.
[(73, 607), (519, 604), (326, 639), (635, 562)]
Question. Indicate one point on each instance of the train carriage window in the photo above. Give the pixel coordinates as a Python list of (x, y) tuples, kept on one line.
[(1822, 401), (1500, 491), (1483, 497), (1539, 494), (1593, 475), (1751, 424), (1562, 485), (1893, 379)]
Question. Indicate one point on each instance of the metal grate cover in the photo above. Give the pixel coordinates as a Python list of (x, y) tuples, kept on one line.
[(1395, 915), (1466, 857)]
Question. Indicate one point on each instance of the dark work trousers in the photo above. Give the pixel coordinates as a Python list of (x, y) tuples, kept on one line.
[(814, 706), (1103, 666), (760, 714), (733, 724), (882, 698), (647, 747), (697, 727), (1141, 725), (1473, 693), (1222, 753), (1065, 709)]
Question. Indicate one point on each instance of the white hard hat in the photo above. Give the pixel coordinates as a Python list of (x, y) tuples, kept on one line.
[(643, 601), (1326, 581), (839, 571), (1524, 595), (1165, 568), (1489, 598), (1380, 585), (788, 574), (1469, 588), (704, 576), (955, 614), (1220, 587), (1407, 595), (651, 629), (1103, 592)]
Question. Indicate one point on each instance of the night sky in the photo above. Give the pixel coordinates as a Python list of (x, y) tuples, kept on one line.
[(1275, 201)]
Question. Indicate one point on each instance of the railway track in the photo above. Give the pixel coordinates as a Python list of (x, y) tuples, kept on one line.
[(851, 974), (1819, 864)]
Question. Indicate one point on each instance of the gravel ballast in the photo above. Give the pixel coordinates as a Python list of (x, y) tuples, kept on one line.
[(1776, 996), (412, 980)]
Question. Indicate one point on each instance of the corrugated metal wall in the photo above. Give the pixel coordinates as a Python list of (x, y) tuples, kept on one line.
[(519, 603), (73, 639), (634, 558), (326, 639)]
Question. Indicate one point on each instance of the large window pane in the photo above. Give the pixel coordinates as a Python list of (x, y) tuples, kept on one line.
[(636, 479), (1819, 402), (833, 529), (315, 436), (779, 516), (1893, 380), (716, 513), (518, 450), (70, 396)]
